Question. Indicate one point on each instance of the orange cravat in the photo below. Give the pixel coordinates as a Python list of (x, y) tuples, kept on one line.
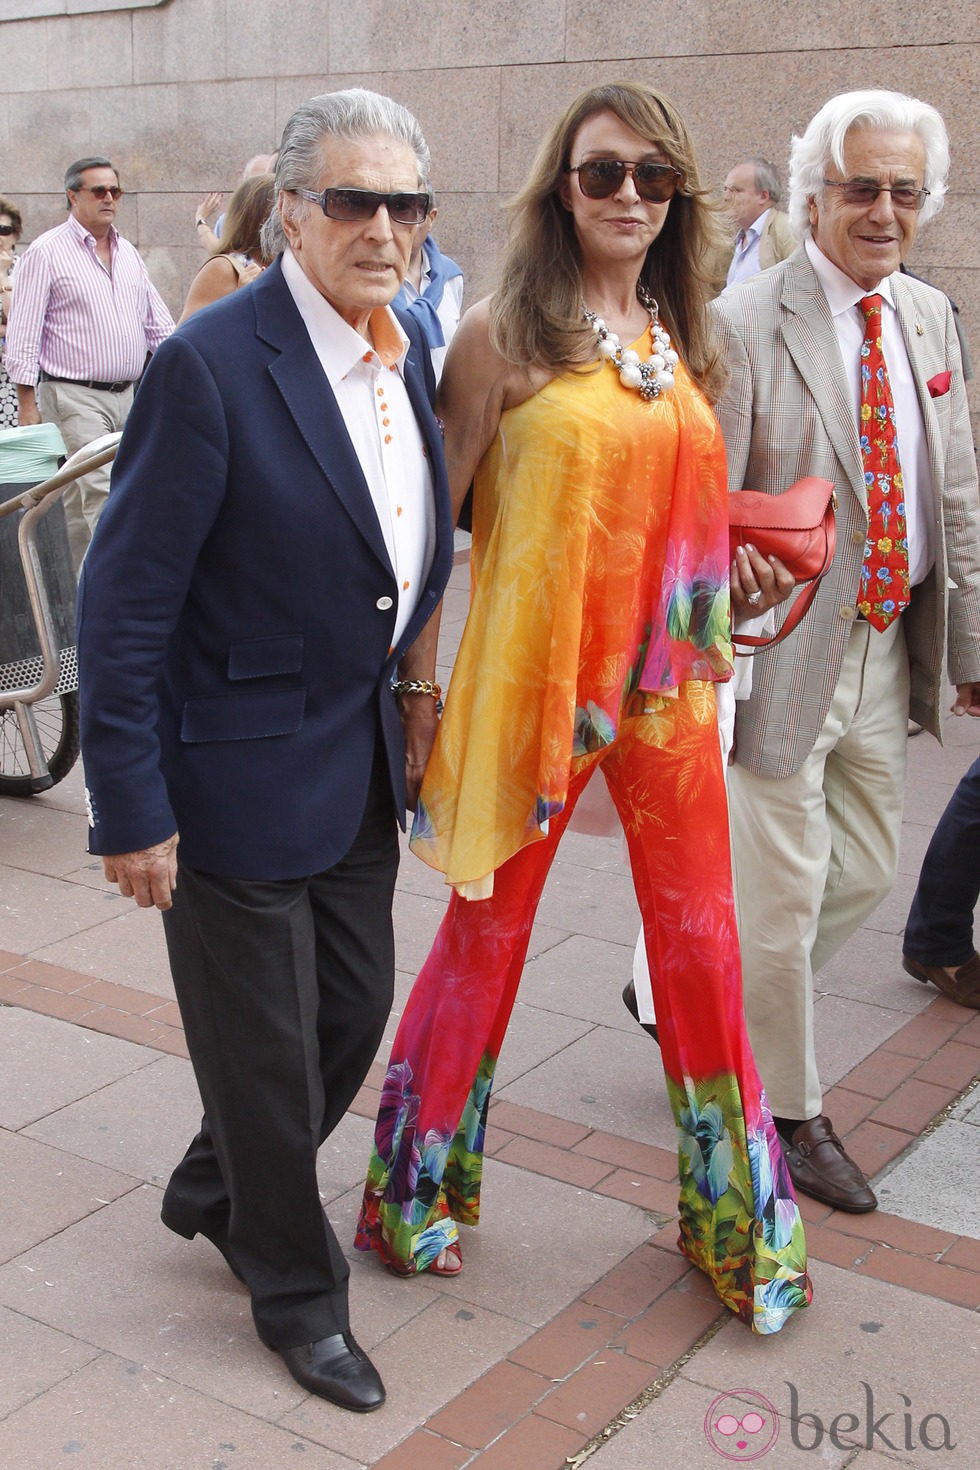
[(884, 591)]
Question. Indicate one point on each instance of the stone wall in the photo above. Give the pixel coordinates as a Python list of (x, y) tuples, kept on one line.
[(182, 93)]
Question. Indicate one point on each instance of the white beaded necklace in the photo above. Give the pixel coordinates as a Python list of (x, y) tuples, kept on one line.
[(650, 378)]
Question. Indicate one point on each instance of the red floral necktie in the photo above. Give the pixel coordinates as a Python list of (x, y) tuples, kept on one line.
[(884, 591)]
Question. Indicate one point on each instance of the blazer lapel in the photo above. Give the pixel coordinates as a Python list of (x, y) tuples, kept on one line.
[(808, 331), (922, 365), (299, 377)]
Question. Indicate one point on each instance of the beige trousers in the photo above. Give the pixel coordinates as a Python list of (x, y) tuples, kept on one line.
[(813, 854), (83, 414)]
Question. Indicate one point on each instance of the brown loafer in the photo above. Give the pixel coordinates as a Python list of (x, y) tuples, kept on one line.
[(818, 1166), (962, 985)]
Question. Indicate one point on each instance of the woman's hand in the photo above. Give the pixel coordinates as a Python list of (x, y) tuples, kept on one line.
[(758, 583), (208, 205)]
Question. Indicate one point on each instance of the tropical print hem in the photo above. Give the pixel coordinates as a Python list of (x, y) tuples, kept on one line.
[(739, 1221)]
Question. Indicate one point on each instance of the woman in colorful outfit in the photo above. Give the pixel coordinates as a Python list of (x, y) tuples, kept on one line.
[(598, 628)]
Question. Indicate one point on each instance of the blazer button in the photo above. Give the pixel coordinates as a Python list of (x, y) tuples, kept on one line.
[(383, 603), (850, 613), (858, 538)]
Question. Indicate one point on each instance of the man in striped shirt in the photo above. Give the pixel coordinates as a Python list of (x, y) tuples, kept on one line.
[(83, 319)]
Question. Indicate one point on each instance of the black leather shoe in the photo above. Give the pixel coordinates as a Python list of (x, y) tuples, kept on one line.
[(338, 1370), (629, 1001), (182, 1222), (819, 1167)]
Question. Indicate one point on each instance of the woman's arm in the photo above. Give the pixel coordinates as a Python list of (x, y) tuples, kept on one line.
[(216, 278), (475, 387), (470, 401)]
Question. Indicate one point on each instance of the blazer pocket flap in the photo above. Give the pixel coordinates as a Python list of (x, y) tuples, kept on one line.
[(258, 658), (242, 716)]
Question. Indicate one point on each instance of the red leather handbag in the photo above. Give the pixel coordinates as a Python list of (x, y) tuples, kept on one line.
[(800, 527)]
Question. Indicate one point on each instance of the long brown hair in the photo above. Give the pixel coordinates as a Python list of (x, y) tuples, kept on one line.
[(536, 314), (248, 209)]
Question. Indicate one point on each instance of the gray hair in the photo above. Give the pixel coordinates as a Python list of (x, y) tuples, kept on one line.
[(355, 113), (823, 143), (767, 179), (74, 172)]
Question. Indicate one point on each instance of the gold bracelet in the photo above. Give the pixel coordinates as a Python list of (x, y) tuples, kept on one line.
[(416, 686)]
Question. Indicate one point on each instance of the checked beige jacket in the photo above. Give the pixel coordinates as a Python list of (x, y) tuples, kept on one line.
[(786, 412)]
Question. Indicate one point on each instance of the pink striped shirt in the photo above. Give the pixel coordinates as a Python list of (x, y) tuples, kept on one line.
[(74, 319)]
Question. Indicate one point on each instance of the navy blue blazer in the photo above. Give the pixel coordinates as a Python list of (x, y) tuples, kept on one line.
[(237, 603)]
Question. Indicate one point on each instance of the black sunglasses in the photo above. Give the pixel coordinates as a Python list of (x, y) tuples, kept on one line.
[(8, 229), (101, 190), (602, 177), (353, 205)]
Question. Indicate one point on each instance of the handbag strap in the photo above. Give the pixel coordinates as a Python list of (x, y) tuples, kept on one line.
[(753, 643)]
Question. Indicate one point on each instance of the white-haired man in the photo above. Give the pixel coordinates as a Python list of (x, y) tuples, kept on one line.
[(842, 367)]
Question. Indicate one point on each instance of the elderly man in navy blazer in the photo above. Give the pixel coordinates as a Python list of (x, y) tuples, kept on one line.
[(277, 536)]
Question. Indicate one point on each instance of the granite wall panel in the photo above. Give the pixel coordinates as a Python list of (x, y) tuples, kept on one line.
[(181, 95), (621, 29)]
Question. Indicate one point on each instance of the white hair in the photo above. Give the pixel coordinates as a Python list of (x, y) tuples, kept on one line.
[(355, 113), (823, 143)]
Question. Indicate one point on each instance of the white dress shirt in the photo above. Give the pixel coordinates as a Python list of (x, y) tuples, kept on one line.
[(368, 384), (843, 296)]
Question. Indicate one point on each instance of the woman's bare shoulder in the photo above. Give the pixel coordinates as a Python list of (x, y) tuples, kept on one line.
[(477, 370)]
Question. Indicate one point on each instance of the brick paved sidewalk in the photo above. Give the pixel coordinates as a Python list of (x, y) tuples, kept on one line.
[(577, 1332)]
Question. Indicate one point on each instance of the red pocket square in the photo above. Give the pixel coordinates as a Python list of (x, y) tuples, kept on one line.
[(939, 384)]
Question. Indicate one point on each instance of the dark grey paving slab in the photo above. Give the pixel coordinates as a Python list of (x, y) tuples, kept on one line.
[(33, 1358), (533, 1038), (937, 1180), (592, 901), (47, 1189), (126, 1285), (116, 1414), (36, 910), (968, 1110), (581, 977), (140, 1124), (608, 1079), (43, 839), (128, 948), (48, 1064), (869, 969)]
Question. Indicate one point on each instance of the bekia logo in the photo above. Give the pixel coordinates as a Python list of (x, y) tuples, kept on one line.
[(743, 1425)]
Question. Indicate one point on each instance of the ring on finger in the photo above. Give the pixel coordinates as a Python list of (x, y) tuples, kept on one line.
[(754, 597)]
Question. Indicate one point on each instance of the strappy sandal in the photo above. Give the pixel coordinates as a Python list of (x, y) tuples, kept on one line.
[(451, 1257)]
